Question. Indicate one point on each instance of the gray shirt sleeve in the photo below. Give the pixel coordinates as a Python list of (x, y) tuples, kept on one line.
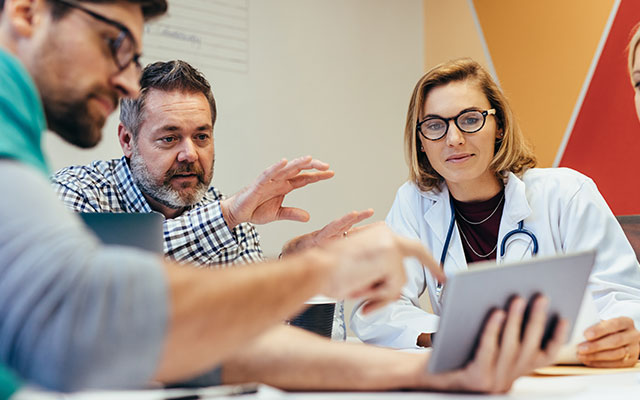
[(74, 314)]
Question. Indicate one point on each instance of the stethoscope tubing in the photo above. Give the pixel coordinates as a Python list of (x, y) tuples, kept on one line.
[(503, 245)]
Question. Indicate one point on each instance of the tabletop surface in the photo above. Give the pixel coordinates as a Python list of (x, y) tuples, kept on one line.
[(622, 385)]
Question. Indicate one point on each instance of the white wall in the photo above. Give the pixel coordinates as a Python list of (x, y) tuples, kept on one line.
[(330, 78)]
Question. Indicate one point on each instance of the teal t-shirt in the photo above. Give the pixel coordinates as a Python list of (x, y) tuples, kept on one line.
[(8, 383), (22, 120)]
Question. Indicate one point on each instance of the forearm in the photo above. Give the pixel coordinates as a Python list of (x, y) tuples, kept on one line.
[(293, 359), (214, 312)]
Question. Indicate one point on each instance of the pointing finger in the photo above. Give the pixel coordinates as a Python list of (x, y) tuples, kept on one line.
[(413, 248)]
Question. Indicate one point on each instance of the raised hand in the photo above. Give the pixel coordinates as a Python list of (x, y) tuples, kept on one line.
[(613, 343), (335, 229), (261, 202)]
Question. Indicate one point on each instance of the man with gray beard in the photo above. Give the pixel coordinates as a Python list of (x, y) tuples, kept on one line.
[(167, 138)]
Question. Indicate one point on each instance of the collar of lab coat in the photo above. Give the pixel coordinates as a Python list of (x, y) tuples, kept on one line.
[(438, 216)]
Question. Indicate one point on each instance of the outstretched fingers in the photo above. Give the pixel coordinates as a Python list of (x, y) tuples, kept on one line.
[(303, 179), (510, 344), (273, 170), (560, 334), (534, 330), (338, 227), (294, 167), (292, 214), (489, 346), (413, 248)]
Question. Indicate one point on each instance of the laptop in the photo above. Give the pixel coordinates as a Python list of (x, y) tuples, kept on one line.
[(140, 230), (469, 297)]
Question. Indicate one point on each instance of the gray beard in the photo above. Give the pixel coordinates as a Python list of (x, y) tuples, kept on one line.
[(163, 193)]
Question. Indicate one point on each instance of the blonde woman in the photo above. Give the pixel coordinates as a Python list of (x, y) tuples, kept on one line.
[(474, 195)]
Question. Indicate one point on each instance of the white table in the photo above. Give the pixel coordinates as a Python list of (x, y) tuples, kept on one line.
[(613, 386)]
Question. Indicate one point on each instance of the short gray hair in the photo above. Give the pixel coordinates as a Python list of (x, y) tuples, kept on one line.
[(166, 76)]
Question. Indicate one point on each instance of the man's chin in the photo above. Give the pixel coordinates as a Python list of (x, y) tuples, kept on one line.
[(190, 196), (84, 132), (85, 140)]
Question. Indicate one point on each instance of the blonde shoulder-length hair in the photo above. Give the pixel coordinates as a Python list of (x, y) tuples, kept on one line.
[(633, 44), (512, 153)]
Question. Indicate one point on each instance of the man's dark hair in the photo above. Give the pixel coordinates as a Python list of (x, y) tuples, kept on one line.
[(150, 8), (165, 76)]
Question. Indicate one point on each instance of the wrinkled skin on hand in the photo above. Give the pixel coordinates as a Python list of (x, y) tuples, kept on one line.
[(261, 202), (613, 343)]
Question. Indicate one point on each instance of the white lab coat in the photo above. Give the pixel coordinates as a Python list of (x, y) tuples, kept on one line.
[(562, 207)]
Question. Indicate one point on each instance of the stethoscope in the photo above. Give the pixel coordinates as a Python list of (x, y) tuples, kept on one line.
[(503, 245)]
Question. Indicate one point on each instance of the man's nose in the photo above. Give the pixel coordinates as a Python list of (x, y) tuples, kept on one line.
[(188, 152), (127, 81)]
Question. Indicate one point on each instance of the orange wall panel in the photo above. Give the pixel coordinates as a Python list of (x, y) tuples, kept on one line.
[(541, 51), (450, 32)]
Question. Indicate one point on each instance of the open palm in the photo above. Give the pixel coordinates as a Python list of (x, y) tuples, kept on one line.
[(261, 202)]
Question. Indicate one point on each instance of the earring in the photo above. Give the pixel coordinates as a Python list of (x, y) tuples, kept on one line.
[(421, 148)]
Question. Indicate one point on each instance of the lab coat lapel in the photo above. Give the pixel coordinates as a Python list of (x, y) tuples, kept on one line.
[(438, 217), (516, 209)]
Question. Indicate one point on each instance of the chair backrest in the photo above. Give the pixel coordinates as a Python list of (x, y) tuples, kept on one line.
[(631, 227)]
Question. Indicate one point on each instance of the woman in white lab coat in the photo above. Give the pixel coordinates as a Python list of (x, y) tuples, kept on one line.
[(466, 153)]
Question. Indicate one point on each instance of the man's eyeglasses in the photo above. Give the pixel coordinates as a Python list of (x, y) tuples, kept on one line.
[(123, 47), (468, 121)]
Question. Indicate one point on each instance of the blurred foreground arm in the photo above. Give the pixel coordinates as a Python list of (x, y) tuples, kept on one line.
[(215, 312), (292, 359)]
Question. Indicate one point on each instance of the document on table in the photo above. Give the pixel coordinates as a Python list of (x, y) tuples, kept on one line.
[(587, 316)]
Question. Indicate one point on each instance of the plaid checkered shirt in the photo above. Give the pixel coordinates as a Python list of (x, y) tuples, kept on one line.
[(200, 235)]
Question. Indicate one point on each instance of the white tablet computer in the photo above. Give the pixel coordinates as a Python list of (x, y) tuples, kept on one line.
[(469, 297)]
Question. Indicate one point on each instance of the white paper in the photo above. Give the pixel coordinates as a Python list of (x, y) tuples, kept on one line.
[(587, 316)]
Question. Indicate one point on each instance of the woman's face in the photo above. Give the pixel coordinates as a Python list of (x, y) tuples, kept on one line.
[(635, 78), (462, 159)]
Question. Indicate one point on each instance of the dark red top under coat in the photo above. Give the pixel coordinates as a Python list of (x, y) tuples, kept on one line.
[(482, 237)]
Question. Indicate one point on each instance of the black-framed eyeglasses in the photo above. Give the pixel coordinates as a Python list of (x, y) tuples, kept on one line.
[(123, 48), (468, 121)]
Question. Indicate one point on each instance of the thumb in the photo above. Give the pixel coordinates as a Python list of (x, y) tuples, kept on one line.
[(292, 214)]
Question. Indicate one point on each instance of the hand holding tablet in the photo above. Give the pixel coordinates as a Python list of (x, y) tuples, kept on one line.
[(472, 298)]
